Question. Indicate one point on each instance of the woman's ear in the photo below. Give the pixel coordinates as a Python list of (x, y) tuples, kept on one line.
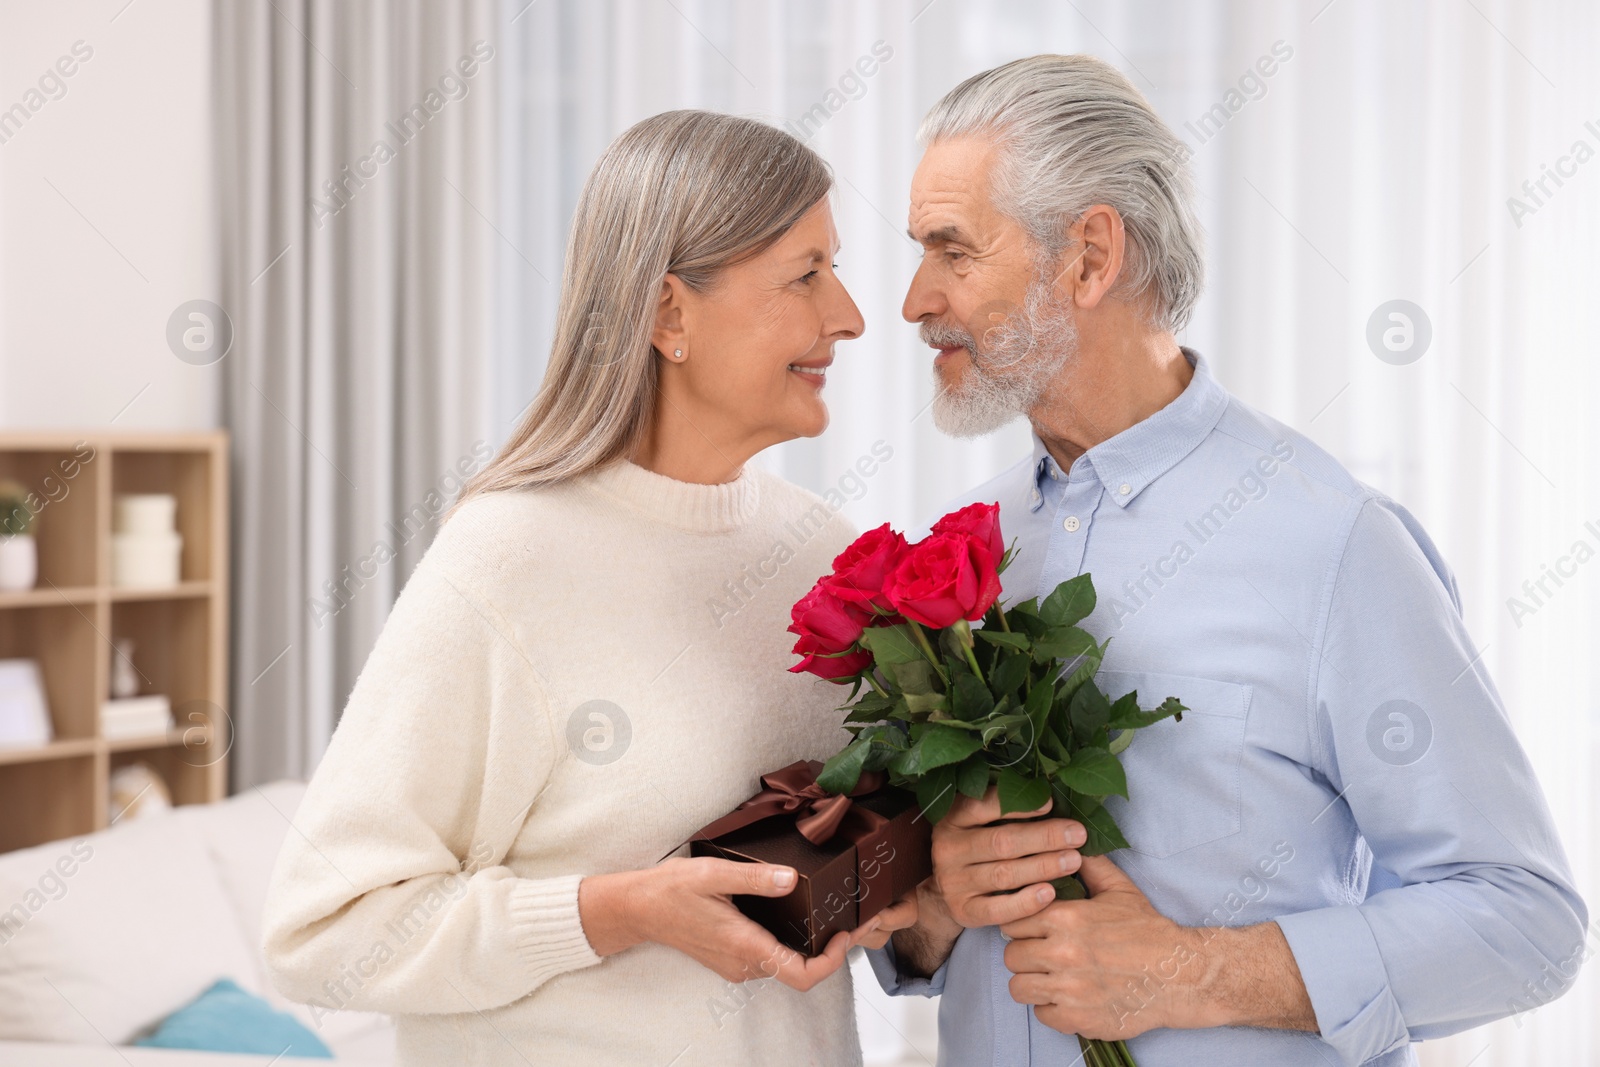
[(670, 334), (1093, 259)]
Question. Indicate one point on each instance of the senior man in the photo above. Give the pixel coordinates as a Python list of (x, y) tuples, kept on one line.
[(1341, 848)]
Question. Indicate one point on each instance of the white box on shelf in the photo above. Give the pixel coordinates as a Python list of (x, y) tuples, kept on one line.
[(144, 513), (146, 561)]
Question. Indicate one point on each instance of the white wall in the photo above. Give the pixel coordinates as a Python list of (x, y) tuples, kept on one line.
[(107, 217)]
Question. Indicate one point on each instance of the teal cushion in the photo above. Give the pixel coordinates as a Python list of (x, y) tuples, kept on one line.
[(227, 1019)]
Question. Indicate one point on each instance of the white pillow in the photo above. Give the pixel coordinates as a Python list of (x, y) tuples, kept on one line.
[(244, 834), (105, 935)]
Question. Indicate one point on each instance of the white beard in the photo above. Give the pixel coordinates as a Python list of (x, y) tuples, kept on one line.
[(1019, 359)]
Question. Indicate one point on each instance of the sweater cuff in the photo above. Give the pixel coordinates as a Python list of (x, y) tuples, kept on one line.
[(1347, 982), (546, 930)]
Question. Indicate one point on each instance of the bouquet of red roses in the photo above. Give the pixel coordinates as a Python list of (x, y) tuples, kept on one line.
[(950, 708)]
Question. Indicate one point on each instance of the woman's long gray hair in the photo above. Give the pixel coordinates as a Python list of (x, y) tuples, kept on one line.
[(686, 193)]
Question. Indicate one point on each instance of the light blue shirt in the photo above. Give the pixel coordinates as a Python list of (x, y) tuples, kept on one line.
[(1346, 767)]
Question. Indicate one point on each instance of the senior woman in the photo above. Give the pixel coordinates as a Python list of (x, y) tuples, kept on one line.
[(553, 705)]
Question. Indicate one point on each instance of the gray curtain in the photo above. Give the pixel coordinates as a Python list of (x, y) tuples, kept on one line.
[(357, 163)]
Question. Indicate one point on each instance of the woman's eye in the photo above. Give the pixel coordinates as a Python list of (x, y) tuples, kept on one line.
[(808, 276)]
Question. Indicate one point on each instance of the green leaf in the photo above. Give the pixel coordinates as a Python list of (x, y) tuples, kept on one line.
[(1001, 637), (872, 700), (936, 792), (1123, 739), (1037, 707), (957, 724), (973, 778), (938, 746), (948, 642), (1071, 602), (1009, 726), (1062, 643), (1104, 836), (1020, 792), (1094, 771), (1124, 705), (1089, 711), (1085, 670), (841, 773), (1024, 619), (970, 699), (926, 703), (912, 676), (872, 714), (1069, 888), (1135, 719), (887, 743), (1052, 743), (1009, 674), (892, 644)]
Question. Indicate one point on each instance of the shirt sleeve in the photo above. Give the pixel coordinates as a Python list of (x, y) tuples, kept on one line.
[(390, 893), (1481, 919), (896, 983)]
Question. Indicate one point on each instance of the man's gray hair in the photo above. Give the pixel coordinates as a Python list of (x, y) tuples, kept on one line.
[(1073, 133)]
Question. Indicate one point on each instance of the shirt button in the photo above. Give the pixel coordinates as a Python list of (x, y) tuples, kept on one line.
[(1070, 524), (1125, 489)]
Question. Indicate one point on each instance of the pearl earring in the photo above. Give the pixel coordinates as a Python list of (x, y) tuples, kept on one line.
[(677, 353)]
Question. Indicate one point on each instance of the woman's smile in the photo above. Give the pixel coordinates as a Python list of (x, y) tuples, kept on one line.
[(813, 371)]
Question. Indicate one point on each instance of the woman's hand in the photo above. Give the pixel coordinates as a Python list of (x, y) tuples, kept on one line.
[(901, 915), (685, 904)]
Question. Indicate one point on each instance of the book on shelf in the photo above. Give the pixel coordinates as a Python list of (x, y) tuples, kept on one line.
[(135, 716)]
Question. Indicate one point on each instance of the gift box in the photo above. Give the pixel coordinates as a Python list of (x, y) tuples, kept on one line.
[(855, 855)]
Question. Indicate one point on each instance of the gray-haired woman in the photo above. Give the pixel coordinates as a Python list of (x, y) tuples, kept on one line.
[(566, 688)]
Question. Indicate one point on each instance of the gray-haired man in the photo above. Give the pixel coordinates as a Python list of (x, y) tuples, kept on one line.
[(1315, 874)]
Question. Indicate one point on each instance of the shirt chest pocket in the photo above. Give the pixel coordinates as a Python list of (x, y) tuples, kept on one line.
[(1183, 777)]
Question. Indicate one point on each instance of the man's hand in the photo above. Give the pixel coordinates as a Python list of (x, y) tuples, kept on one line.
[(1112, 967), (984, 875), (988, 875)]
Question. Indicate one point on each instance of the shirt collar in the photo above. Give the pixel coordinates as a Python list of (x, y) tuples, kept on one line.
[(1137, 456)]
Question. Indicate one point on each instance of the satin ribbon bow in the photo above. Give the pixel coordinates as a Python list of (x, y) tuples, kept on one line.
[(794, 790)]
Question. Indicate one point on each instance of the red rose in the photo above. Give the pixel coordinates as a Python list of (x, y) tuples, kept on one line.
[(821, 614), (834, 668), (827, 628), (859, 571), (944, 577), (981, 522)]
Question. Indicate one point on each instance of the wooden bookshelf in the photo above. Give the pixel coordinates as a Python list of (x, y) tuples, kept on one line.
[(69, 621)]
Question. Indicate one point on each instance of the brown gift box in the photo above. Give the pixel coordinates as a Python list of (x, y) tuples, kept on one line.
[(854, 855)]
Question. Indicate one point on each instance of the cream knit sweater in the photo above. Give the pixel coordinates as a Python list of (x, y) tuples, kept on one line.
[(573, 681)]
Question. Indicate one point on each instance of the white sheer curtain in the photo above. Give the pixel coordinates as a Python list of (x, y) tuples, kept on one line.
[(1373, 164)]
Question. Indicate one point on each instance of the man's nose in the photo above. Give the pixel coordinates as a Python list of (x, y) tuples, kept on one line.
[(923, 299)]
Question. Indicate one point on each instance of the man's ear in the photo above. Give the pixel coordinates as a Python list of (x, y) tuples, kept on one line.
[(1093, 258), (671, 332)]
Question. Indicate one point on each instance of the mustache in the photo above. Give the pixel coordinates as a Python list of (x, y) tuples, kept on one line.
[(939, 335)]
